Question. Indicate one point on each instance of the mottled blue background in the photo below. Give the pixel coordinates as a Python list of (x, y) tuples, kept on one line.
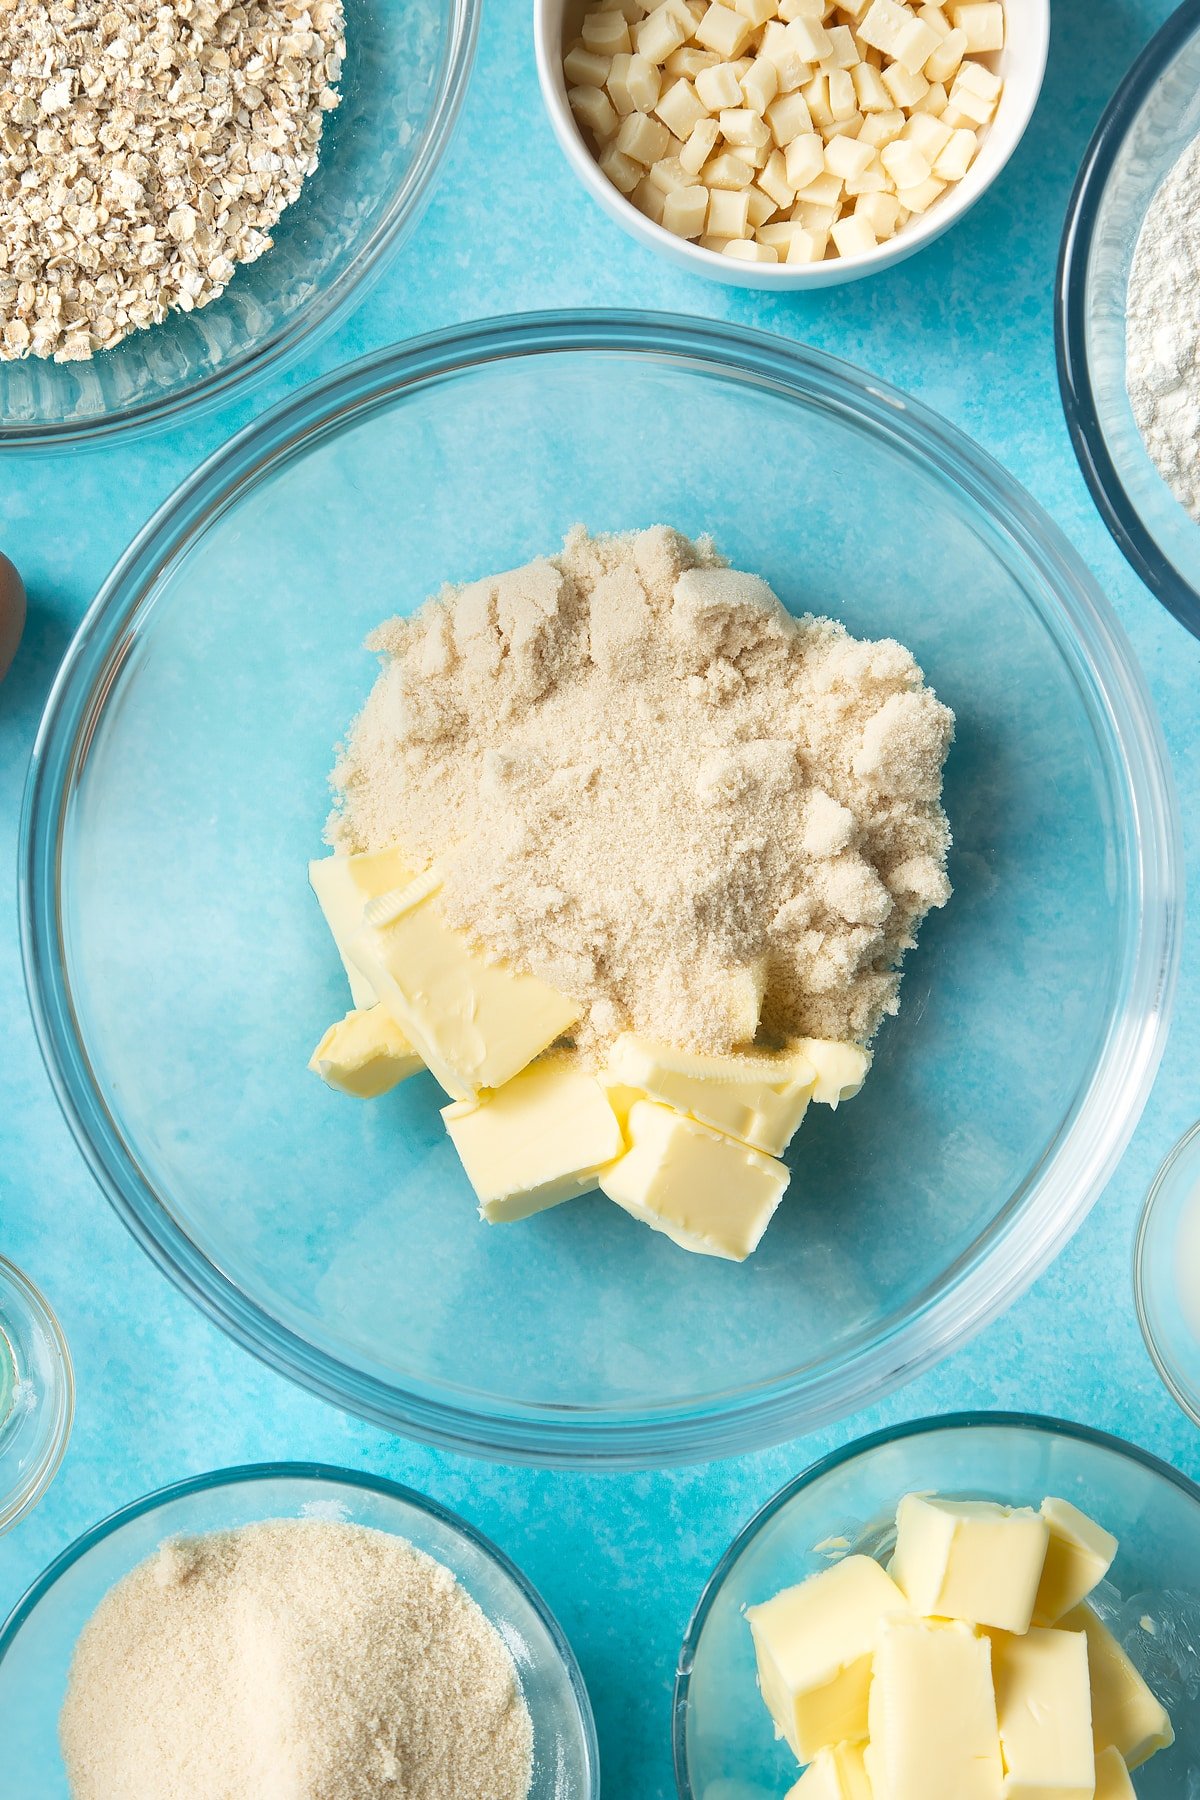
[(966, 326)]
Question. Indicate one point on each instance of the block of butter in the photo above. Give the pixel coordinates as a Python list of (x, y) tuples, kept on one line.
[(1044, 1709), (757, 1097), (970, 1559), (840, 1068), (343, 885), (1112, 1777), (366, 1053), (814, 1645), (1079, 1554), (836, 1774), (1125, 1714), (932, 1714), (475, 1022), (541, 1138), (706, 1192)]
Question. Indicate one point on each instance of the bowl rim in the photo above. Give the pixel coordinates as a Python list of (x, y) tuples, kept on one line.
[(1052, 1201), (1164, 1367), (1043, 1424), (248, 1474), (1122, 518), (780, 277), (324, 309), (26, 1495)]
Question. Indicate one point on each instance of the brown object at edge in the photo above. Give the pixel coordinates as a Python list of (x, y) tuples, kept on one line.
[(12, 613)]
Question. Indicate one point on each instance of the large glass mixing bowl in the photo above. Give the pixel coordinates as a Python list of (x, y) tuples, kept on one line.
[(407, 64), (180, 972)]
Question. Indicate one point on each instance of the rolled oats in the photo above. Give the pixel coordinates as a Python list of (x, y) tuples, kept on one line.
[(146, 149)]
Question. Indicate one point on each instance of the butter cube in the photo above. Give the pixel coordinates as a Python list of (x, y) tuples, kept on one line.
[(541, 1138), (970, 1559), (475, 1022), (814, 1644), (343, 885), (1125, 1714), (755, 1097), (836, 1774), (932, 1715), (1080, 1553), (841, 1068), (365, 1054), (707, 1193), (1044, 1709), (1112, 1777)]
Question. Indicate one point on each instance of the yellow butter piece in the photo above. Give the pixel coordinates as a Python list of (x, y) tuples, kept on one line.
[(814, 1644), (1044, 1709), (706, 1192), (970, 1559), (836, 1774), (1112, 1777), (756, 1097), (1080, 1554), (476, 1023), (366, 1053), (622, 1099), (840, 1068), (1126, 1716), (541, 1138), (343, 886), (932, 1714)]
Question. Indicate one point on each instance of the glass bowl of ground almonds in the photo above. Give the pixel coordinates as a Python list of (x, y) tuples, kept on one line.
[(640, 782), (188, 193), (398, 1645)]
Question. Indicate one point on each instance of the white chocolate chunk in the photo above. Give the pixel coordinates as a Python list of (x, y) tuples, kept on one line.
[(970, 1559), (944, 63), (882, 212), (843, 51), (905, 163), (660, 33), (621, 170), (685, 211), (814, 1645), (642, 138), (681, 109), (983, 22), (728, 214), (1126, 1716), (853, 236), (649, 200), (810, 38), (760, 84), (928, 134), (583, 68), (773, 181), (669, 176), (605, 33), (689, 60), (1079, 1554), (915, 45), (719, 87), (788, 118), (700, 145), (919, 199), (595, 111), (932, 1714), (1044, 1711), (869, 91), (884, 25), (723, 30), (757, 11), (906, 90), (882, 128), (846, 156), (842, 100), (953, 162), (727, 172), (750, 250), (741, 126)]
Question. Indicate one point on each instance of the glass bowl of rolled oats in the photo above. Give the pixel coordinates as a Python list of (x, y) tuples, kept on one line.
[(189, 192)]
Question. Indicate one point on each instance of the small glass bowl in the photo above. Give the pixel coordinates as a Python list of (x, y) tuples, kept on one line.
[(37, 1395), (725, 1747), (1150, 121), (406, 71), (37, 1642), (1166, 1273)]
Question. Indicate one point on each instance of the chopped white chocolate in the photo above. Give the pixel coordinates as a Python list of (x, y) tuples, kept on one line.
[(681, 109), (685, 210), (983, 22), (846, 156), (760, 84), (883, 26), (905, 164), (810, 38), (689, 60), (760, 207), (669, 175), (583, 68), (816, 96), (933, 101), (957, 156), (749, 250), (719, 87), (916, 45), (723, 30), (700, 145), (928, 134), (789, 118), (919, 199), (727, 171), (741, 126), (644, 139), (843, 51), (659, 33), (853, 236), (621, 170), (842, 99), (773, 180), (906, 90), (728, 214), (606, 33), (883, 213), (757, 11), (593, 108), (944, 62), (869, 90)]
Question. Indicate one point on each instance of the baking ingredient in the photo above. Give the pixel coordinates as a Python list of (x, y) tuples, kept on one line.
[(365, 1054), (970, 1559), (955, 1707), (12, 614), (293, 1657), (815, 1646), (1078, 1555), (343, 886), (758, 1098), (932, 1714), (637, 774), (841, 1068), (146, 151), (542, 1138), (705, 1191), (1126, 1715), (473, 1020), (1162, 333), (775, 132), (1044, 1709)]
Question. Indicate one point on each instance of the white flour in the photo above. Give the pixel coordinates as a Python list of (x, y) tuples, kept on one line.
[(1163, 330)]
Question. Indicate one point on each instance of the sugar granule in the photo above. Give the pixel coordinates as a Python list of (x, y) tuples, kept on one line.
[(641, 775)]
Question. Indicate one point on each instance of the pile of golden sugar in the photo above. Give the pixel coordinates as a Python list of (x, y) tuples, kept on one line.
[(646, 783)]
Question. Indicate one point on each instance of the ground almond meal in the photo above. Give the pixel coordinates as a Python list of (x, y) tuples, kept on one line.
[(293, 1660), (145, 151), (640, 774)]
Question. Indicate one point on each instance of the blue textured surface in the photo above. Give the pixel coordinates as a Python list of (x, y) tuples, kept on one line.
[(967, 327)]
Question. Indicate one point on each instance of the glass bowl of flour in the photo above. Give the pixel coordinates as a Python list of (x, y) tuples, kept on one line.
[(1127, 316), (180, 971), (371, 1582)]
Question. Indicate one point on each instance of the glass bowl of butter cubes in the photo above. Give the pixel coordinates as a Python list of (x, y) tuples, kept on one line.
[(789, 143), (964, 1608), (183, 973)]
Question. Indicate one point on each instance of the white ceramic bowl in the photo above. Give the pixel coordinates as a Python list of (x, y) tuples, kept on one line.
[(1022, 64)]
